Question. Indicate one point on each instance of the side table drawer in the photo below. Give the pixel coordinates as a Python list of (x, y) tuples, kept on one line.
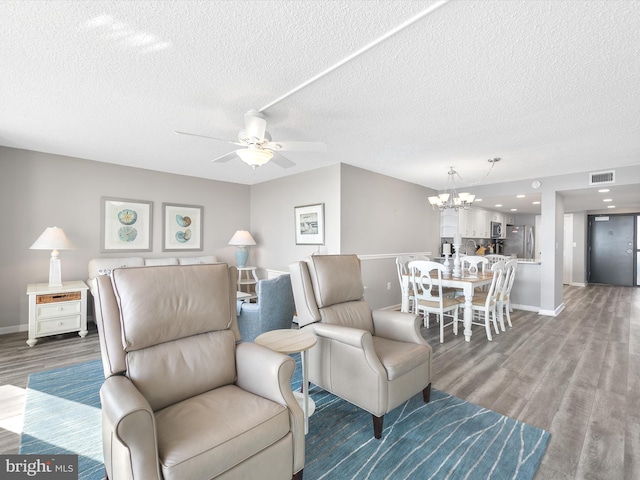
[(57, 325), (48, 310)]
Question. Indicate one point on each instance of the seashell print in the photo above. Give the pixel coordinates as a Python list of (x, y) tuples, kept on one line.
[(127, 234), (127, 217), (183, 237), (183, 221)]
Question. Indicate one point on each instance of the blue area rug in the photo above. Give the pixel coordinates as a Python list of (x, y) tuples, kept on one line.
[(447, 438)]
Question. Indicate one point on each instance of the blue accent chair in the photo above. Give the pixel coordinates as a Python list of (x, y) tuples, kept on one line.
[(273, 310)]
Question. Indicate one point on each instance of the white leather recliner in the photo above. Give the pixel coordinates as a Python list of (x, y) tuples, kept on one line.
[(377, 359), (182, 398)]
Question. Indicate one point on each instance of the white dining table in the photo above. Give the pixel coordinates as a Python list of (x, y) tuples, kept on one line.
[(467, 283)]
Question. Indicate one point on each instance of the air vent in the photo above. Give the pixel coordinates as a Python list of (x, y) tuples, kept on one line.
[(599, 178)]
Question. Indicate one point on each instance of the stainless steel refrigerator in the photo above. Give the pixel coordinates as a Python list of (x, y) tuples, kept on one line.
[(520, 241)]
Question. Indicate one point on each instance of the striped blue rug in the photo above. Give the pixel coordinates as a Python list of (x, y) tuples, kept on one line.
[(447, 438)]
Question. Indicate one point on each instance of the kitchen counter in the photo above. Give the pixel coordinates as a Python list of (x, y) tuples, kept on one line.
[(525, 293)]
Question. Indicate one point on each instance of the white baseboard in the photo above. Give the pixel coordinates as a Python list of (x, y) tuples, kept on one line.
[(528, 308), (577, 284), (552, 313), (14, 329)]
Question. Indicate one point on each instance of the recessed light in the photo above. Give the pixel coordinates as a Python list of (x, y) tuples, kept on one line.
[(536, 203), (519, 196), (611, 206), (478, 200), (498, 205), (607, 199), (603, 190), (514, 209)]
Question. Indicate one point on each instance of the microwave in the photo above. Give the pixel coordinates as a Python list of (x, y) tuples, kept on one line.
[(496, 229)]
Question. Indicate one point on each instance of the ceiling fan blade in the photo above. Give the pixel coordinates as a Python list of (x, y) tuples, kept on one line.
[(282, 161), (298, 146), (255, 125), (206, 136), (224, 158)]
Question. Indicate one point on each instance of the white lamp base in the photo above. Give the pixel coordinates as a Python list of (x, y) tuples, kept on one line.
[(55, 270)]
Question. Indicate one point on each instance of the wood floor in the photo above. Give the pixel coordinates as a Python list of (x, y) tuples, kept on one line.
[(576, 375)]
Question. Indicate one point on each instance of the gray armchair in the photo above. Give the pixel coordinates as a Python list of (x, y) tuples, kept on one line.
[(182, 398), (273, 310), (376, 359)]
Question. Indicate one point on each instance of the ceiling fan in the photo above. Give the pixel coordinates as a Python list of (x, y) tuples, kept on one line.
[(258, 147)]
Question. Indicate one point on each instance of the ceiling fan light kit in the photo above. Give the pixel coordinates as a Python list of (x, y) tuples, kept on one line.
[(254, 157)]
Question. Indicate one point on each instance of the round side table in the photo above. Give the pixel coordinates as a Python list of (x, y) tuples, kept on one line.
[(294, 341)]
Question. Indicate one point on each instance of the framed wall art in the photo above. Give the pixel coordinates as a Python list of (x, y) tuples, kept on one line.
[(125, 225), (182, 227), (309, 223)]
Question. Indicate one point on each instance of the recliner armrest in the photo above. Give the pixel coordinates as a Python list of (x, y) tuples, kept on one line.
[(351, 336), (133, 424), (399, 326), (268, 374)]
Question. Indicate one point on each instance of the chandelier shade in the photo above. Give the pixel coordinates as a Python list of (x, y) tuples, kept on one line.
[(451, 198)]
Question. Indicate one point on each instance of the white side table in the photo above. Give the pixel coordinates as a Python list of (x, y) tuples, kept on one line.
[(248, 279), (288, 341), (56, 310)]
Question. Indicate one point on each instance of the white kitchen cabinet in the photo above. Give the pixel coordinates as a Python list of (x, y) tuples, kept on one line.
[(471, 223)]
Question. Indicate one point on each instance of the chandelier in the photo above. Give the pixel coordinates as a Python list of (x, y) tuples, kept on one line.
[(451, 198)]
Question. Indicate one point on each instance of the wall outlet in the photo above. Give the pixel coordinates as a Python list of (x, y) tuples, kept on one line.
[(388, 285)]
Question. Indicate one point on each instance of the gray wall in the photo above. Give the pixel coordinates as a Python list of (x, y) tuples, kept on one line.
[(365, 213), (272, 216), (39, 190), (383, 217)]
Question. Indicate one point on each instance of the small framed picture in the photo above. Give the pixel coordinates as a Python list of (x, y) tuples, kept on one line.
[(182, 227), (309, 223), (125, 225)]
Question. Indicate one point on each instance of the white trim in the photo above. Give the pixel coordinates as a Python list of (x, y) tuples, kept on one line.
[(14, 329), (578, 284), (552, 313), (391, 307), (528, 308)]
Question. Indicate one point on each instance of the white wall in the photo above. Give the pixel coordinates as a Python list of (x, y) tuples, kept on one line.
[(39, 190)]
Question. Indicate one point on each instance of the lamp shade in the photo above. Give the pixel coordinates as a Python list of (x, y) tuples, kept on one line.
[(242, 237), (53, 238)]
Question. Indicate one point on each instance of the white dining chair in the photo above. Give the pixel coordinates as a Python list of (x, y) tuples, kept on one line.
[(495, 258), (485, 304), (474, 264), (426, 281), (402, 262), (504, 299)]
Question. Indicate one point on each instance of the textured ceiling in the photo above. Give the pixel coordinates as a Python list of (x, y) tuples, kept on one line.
[(551, 87)]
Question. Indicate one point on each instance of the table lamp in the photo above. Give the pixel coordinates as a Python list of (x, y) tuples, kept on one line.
[(242, 239), (54, 239)]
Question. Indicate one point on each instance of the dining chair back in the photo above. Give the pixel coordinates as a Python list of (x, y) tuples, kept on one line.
[(402, 267), (495, 258), (504, 299), (474, 264), (426, 282)]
